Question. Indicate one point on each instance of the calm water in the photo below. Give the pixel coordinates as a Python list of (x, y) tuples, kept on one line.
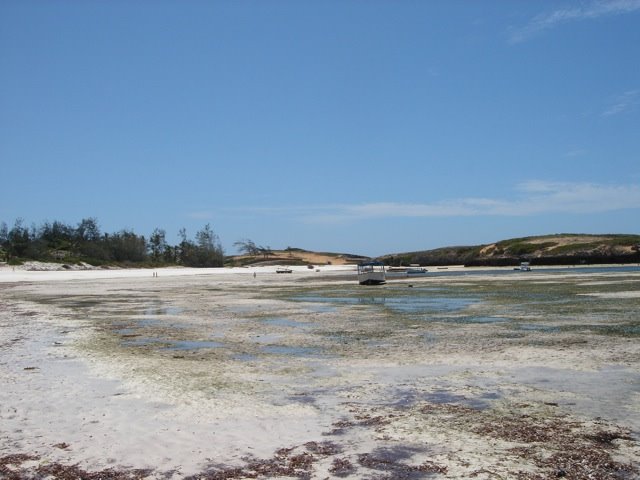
[(548, 305), (541, 270)]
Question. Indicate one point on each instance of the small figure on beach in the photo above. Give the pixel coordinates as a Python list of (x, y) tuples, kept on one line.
[(254, 274)]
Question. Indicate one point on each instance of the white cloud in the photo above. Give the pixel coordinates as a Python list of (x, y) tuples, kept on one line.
[(577, 152), (201, 215), (625, 102), (584, 198), (453, 208), (533, 198), (529, 198), (589, 11)]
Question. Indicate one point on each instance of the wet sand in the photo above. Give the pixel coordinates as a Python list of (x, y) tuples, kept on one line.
[(309, 375)]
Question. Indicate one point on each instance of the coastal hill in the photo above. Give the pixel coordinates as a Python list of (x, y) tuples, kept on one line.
[(558, 249), (296, 256)]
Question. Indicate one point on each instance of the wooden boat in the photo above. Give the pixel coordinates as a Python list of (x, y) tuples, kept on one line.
[(371, 273)]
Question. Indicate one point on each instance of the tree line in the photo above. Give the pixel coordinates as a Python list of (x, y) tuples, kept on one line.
[(57, 241)]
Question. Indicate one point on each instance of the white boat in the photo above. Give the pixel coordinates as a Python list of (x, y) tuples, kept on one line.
[(371, 273), (524, 267), (283, 270)]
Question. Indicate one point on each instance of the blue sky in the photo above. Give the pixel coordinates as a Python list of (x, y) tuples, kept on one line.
[(368, 127)]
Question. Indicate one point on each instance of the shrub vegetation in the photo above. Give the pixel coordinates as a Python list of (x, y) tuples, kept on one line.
[(59, 242)]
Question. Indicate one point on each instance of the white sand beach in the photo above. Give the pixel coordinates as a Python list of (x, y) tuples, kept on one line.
[(217, 373)]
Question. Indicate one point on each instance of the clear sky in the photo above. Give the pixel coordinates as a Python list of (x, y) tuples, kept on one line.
[(360, 126)]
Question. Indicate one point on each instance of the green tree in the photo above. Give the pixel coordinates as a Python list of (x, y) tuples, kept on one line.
[(88, 230), (209, 252), (170, 254), (56, 235), (126, 246), (18, 240), (4, 239), (158, 245), (206, 251), (184, 250), (89, 242)]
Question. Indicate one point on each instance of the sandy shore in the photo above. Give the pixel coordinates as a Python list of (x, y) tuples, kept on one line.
[(222, 374)]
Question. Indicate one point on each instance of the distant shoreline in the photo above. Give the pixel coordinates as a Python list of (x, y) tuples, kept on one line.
[(42, 271)]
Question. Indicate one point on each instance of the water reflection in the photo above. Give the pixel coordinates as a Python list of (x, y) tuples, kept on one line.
[(193, 345), (167, 344), (163, 310), (285, 322), (416, 303), (485, 320), (293, 351)]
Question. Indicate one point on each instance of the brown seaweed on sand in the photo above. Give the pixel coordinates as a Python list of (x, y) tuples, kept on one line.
[(555, 444), (11, 468)]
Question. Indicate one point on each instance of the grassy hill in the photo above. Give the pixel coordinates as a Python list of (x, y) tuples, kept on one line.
[(559, 249)]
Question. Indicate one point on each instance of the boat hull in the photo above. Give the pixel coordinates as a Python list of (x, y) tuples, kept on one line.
[(372, 278)]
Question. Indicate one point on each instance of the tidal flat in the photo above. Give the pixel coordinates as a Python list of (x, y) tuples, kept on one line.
[(521, 375)]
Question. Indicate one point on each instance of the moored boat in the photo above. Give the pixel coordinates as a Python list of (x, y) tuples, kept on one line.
[(371, 273), (524, 267)]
